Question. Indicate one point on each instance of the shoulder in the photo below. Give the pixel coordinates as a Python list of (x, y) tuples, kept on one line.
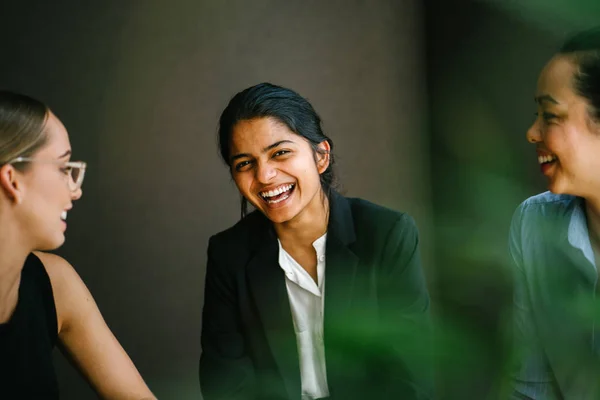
[(374, 215), (58, 269), (546, 205), (364, 207), (541, 222), (386, 239), (549, 201), (379, 224), (66, 283), (242, 237), (241, 232)]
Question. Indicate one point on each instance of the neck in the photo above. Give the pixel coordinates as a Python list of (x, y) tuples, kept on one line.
[(309, 225), (11, 263)]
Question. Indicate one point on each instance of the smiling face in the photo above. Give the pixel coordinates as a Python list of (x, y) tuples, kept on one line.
[(275, 169), (567, 140), (44, 196)]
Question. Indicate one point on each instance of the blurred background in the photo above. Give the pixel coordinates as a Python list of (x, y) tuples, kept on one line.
[(427, 103)]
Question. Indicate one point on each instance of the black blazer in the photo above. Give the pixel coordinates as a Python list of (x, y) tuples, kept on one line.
[(376, 322)]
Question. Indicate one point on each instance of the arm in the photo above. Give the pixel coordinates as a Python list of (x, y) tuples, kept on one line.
[(86, 338), (226, 371), (405, 307), (530, 374)]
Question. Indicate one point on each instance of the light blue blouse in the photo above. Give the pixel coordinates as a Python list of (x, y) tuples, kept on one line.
[(555, 312)]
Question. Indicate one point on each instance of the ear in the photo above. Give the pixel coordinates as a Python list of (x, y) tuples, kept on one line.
[(11, 183), (323, 156)]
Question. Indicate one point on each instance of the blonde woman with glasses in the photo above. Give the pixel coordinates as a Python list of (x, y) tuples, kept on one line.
[(43, 301)]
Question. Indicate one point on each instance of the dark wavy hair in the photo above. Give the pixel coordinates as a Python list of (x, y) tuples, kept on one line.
[(287, 107)]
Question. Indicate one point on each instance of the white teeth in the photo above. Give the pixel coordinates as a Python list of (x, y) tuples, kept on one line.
[(278, 200), (546, 159), (63, 216), (276, 192)]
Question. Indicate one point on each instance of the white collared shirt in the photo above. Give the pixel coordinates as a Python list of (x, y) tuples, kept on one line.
[(307, 300)]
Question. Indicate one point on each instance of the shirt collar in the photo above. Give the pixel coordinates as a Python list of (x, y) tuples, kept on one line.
[(578, 234), (319, 245)]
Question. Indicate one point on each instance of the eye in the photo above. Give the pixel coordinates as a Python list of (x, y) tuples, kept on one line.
[(66, 170), (547, 117), (241, 165), (280, 153)]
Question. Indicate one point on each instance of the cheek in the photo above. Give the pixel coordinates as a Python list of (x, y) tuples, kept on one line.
[(552, 138), (572, 144), (242, 181), (561, 142), (55, 191), (305, 167), (588, 157)]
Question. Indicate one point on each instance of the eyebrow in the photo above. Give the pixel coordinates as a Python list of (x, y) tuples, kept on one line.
[(67, 153), (269, 147), (545, 97)]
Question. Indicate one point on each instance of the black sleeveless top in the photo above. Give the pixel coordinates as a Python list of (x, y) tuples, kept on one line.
[(27, 339)]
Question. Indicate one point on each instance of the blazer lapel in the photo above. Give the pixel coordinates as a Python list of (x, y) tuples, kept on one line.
[(340, 272), (267, 285)]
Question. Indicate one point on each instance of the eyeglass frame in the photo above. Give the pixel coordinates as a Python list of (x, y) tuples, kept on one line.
[(81, 165)]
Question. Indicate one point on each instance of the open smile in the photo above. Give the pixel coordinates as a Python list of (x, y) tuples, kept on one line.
[(278, 194), (546, 161), (546, 158)]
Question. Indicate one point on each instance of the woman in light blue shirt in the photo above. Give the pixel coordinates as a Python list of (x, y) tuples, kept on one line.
[(555, 236)]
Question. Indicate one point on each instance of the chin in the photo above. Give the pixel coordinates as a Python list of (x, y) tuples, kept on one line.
[(52, 244), (555, 190), (558, 187), (278, 217), (282, 215)]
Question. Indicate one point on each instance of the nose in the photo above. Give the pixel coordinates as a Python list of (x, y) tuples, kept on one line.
[(265, 172), (76, 195), (534, 134)]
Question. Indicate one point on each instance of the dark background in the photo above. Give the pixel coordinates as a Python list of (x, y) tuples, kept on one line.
[(427, 103)]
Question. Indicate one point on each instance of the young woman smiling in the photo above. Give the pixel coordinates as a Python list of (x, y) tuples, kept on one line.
[(312, 295), (43, 301), (555, 236)]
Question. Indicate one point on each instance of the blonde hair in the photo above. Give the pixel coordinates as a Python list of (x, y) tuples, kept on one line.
[(22, 123)]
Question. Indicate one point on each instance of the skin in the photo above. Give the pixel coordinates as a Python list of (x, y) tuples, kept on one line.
[(564, 128), (31, 204), (266, 154)]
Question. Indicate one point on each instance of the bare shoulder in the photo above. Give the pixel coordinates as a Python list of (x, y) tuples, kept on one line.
[(59, 270), (55, 265), (69, 290)]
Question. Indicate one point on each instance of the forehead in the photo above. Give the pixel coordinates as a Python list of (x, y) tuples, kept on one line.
[(556, 79), (258, 133), (58, 138)]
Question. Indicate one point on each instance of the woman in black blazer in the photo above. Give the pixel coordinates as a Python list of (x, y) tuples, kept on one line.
[(312, 295)]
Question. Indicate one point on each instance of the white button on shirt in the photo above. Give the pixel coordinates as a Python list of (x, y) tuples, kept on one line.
[(307, 300)]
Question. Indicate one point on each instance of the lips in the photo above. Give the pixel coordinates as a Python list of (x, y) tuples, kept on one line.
[(546, 158), (278, 193), (547, 162)]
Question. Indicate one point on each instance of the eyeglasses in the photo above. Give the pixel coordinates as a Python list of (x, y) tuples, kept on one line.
[(75, 169)]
